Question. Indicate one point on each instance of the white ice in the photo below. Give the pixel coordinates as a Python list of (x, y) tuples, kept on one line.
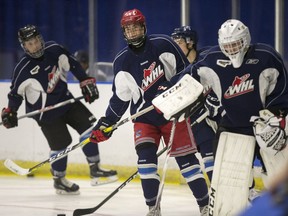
[(22, 196)]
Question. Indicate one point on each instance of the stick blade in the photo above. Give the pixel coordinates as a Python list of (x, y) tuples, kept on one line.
[(11, 165), (79, 212)]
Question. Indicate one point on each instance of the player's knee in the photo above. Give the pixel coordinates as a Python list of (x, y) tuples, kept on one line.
[(147, 161), (190, 167), (208, 163)]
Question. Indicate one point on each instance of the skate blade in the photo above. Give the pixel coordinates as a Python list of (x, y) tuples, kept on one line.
[(63, 192), (103, 180)]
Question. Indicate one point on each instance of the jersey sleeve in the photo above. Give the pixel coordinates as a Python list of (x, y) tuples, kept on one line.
[(277, 92), (16, 94), (75, 66), (122, 94)]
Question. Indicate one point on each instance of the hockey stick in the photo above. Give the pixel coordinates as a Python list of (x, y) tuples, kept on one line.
[(129, 118), (22, 171), (169, 147), (11, 165), (51, 107), (201, 118), (165, 167), (78, 212)]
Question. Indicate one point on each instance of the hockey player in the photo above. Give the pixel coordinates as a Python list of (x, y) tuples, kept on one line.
[(251, 83), (204, 134), (83, 58), (40, 79), (139, 68)]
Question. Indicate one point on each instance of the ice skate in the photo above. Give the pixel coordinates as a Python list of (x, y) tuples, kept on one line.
[(154, 211), (204, 210), (65, 187), (101, 176), (253, 194)]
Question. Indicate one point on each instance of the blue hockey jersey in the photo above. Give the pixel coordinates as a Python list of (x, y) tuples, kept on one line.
[(42, 82), (259, 83), (138, 73)]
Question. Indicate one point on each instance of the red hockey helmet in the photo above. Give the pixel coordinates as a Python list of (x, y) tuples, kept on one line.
[(134, 16)]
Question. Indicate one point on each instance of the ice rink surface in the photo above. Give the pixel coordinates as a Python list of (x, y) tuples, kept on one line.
[(35, 196)]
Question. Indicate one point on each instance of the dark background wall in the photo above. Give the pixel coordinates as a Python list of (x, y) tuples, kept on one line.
[(66, 22)]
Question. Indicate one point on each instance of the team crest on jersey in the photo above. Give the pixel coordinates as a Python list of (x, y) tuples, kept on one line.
[(53, 79), (223, 63), (240, 86), (35, 70), (151, 75)]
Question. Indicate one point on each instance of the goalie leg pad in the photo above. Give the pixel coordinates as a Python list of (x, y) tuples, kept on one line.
[(274, 163), (231, 174)]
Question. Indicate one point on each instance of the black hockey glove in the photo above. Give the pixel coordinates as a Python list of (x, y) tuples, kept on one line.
[(9, 117), (98, 134), (213, 105), (89, 89)]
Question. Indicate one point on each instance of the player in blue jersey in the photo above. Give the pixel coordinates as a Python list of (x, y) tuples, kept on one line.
[(40, 79), (250, 80), (204, 132), (139, 69)]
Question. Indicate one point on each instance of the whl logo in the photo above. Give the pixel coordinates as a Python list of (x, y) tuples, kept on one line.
[(240, 86), (53, 78), (151, 75)]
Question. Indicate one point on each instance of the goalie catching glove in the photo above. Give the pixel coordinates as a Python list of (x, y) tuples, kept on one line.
[(181, 100), (9, 118), (270, 131), (98, 134), (89, 89)]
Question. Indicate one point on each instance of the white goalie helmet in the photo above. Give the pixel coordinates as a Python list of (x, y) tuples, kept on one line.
[(234, 40)]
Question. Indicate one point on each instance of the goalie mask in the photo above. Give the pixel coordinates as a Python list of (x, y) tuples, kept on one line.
[(234, 40), (31, 41), (134, 27)]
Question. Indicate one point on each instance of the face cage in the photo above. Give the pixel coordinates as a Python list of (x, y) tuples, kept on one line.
[(38, 53), (137, 41), (235, 51)]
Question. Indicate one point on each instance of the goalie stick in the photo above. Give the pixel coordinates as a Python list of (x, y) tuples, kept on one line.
[(11, 165), (79, 212), (165, 167), (51, 107)]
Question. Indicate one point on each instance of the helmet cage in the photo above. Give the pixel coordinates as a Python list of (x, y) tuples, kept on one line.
[(234, 40), (27, 33)]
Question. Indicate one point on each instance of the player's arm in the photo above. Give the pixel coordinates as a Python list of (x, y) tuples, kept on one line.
[(9, 114)]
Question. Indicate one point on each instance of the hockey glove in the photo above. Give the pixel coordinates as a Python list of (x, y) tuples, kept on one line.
[(9, 117), (270, 131), (98, 134), (213, 105), (89, 89)]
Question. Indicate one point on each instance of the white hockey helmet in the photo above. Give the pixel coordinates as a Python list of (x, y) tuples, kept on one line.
[(234, 40)]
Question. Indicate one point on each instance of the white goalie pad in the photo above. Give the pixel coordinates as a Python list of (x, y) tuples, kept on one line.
[(184, 93), (232, 174), (274, 163)]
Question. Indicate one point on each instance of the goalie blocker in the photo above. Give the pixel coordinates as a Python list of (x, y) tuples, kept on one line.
[(181, 100)]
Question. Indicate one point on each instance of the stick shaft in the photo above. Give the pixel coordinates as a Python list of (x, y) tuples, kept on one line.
[(51, 107), (142, 112)]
